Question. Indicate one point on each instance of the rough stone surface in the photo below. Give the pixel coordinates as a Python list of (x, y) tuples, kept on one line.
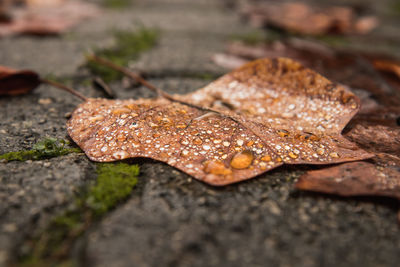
[(32, 192), (175, 221), (170, 219)]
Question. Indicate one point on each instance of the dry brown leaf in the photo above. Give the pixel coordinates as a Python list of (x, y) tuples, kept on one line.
[(4, 11), (376, 138), (192, 140), (15, 82), (42, 19), (365, 24), (302, 18), (228, 61), (347, 67), (381, 178), (44, 2), (267, 113), (311, 54), (388, 66)]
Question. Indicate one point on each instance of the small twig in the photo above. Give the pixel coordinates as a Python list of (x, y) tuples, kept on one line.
[(99, 83), (145, 83), (65, 88), (130, 74)]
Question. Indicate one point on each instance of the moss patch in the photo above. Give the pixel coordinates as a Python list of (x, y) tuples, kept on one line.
[(117, 4), (395, 8), (47, 148), (128, 46), (115, 183)]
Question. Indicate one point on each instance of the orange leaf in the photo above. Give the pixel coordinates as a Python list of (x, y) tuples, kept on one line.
[(265, 114)]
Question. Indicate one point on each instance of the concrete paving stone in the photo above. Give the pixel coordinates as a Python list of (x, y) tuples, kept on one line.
[(32, 192), (171, 219)]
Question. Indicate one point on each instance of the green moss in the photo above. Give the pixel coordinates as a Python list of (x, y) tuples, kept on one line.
[(117, 4), (87, 82), (47, 148), (128, 46), (114, 183), (395, 7)]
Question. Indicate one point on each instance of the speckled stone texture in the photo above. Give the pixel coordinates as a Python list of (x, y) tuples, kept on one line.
[(171, 219)]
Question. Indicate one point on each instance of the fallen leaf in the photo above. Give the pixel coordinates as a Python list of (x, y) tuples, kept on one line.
[(39, 18), (376, 138), (44, 2), (356, 178), (187, 138), (352, 68), (267, 113), (15, 82), (379, 177), (366, 24), (309, 53), (228, 61), (305, 19), (388, 66), (4, 11)]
